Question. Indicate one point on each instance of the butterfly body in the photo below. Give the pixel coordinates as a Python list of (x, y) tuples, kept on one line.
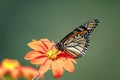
[(77, 42)]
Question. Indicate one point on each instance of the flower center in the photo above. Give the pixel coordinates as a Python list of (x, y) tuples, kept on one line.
[(52, 54), (10, 64)]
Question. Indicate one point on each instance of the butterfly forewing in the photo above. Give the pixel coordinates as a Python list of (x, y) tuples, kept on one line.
[(76, 45), (76, 42)]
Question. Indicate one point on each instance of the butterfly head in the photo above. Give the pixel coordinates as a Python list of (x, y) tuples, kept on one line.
[(60, 46)]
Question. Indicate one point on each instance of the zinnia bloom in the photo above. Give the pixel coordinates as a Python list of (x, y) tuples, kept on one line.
[(15, 70), (46, 55)]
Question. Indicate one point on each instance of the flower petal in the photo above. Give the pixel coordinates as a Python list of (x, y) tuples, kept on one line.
[(57, 69), (45, 67), (47, 43), (72, 60), (39, 61), (28, 72), (38, 45), (2, 71), (15, 73), (68, 65), (33, 54)]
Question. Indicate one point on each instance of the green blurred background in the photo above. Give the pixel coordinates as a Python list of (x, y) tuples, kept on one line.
[(24, 20)]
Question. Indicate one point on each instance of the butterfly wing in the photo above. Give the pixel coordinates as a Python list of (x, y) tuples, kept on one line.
[(76, 42)]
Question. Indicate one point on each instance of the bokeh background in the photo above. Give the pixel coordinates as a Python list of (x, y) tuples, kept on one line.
[(24, 20)]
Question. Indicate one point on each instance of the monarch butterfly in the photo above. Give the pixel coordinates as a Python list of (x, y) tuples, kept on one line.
[(77, 42)]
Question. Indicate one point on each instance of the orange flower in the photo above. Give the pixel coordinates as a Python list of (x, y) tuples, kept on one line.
[(46, 55), (15, 70)]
